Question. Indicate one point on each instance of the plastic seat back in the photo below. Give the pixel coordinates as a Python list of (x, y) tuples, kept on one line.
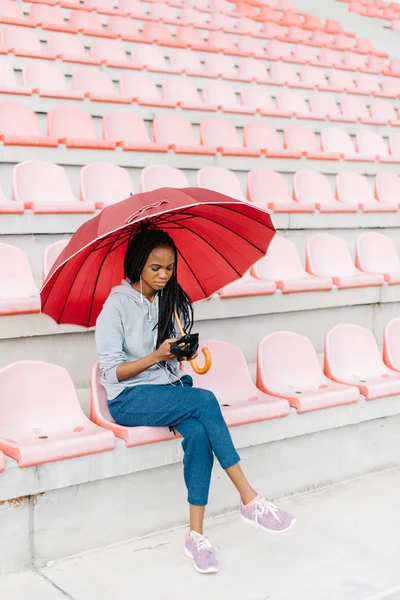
[(173, 129), (368, 141), (7, 74), (185, 60), (354, 108), (138, 85), (42, 13), (218, 64), (367, 83), (265, 186), (180, 90), (312, 187), (105, 184), (125, 127), (394, 143), (382, 110), (40, 75), (16, 280), (353, 188), (108, 50), (148, 56), (391, 345), (83, 19), (21, 39), (36, 181), (277, 49), (10, 9), (377, 253), (387, 187), (312, 75), (216, 132), (328, 255), (220, 180), (93, 81), (390, 85), (324, 105), (66, 44), (257, 97), (221, 40), (50, 255), (283, 73), (157, 176), (17, 120), (301, 138), (261, 135), (122, 27), (337, 141), (156, 32), (69, 122), (292, 102), (282, 262), (252, 68), (341, 80)]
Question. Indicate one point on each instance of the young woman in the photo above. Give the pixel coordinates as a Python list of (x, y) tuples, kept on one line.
[(145, 386)]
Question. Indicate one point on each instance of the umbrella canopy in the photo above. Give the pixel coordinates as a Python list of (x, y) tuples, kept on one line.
[(218, 238)]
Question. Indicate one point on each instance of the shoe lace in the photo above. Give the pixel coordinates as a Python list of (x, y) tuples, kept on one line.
[(204, 543), (263, 506)]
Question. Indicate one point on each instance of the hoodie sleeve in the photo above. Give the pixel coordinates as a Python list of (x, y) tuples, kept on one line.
[(109, 338)]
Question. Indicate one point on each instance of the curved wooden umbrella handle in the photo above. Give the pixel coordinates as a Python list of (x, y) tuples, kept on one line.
[(206, 353)]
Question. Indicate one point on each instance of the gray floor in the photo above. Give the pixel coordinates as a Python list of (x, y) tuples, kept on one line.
[(344, 547)]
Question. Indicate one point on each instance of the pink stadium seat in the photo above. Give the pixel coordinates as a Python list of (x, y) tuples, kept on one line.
[(269, 190), (354, 188), (286, 5), (11, 13), (341, 80), (269, 14), (70, 48), (222, 6), (368, 84), (123, 28), (282, 264), (394, 68), (220, 94), (248, 286), (274, 31), (297, 34), (109, 52), (10, 206), (251, 46), (199, 4), (186, 61), (325, 106), (134, 8), (58, 428), (159, 33), (19, 127), (329, 58), (190, 37), (355, 108), (75, 128), (104, 184), (254, 70), (391, 345), (329, 256), (220, 65), (258, 98), (89, 23), (288, 367), (314, 188), (332, 26), (248, 27), (301, 139), (224, 136), (352, 357), (151, 58), (49, 17), (99, 413), (163, 12), (339, 142), (191, 16), (283, 74), (353, 61), (368, 141), (222, 22), (18, 291), (305, 54), (292, 102), (377, 253), (141, 89), (344, 42), (50, 255), (129, 132), (387, 187), (22, 41), (375, 64), (177, 133), (382, 110), (260, 135), (48, 81), (278, 50), (220, 180), (105, 7), (229, 378), (156, 176), (394, 144), (314, 23), (97, 86), (45, 188), (313, 77), (321, 38), (8, 81), (183, 92)]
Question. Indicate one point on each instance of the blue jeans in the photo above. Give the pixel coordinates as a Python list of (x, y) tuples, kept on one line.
[(195, 413)]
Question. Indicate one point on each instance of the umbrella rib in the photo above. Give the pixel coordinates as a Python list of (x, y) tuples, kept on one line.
[(193, 273)]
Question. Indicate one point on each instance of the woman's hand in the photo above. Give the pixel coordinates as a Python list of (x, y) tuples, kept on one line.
[(163, 353), (195, 355)]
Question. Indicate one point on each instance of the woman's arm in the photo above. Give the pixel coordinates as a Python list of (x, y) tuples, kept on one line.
[(126, 370)]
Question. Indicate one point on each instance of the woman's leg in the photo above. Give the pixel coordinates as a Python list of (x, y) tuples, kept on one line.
[(236, 475)]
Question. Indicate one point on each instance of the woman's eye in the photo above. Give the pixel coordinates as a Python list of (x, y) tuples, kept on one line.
[(155, 269)]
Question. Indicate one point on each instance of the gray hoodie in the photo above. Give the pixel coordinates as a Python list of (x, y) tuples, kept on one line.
[(125, 332)]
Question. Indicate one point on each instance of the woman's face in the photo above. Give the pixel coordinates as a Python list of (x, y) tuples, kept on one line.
[(159, 268)]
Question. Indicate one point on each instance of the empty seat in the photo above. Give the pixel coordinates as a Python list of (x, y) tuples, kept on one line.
[(224, 136), (222, 41), (98, 86), (134, 8), (391, 344), (12, 13), (220, 180), (89, 23), (230, 380), (282, 264), (177, 133), (268, 189), (103, 184), (251, 46), (23, 41), (329, 256), (387, 187), (47, 80), (258, 98), (142, 89), (49, 17), (377, 253), (156, 176), (313, 188), (9, 206), (394, 144), (305, 54), (354, 61), (158, 33), (371, 141), (150, 57), (222, 22), (367, 83), (45, 188), (183, 92), (8, 81), (352, 357), (279, 50), (18, 291), (186, 61), (163, 12), (57, 428), (273, 30), (341, 80), (288, 367), (69, 48), (50, 255), (220, 94), (190, 37), (109, 52), (390, 86), (123, 28), (313, 76), (19, 126), (329, 58), (382, 110), (75, 128), (325, 106), (283, 73), (248, 286), (301, 139), (354, 188), (293, 102), (191, 16), (129, 131), (337, 141), (254, 70), (298, 35), (261, 135), (220, 65), (355, 109)]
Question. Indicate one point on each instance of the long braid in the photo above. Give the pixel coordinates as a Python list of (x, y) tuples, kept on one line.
[(146, 237)]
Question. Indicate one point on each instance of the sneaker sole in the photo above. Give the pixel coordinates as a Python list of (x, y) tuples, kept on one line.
[(208, 571), (254, 524)]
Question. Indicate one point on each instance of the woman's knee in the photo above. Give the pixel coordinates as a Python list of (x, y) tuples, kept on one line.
[(208, 401), (194, 433)]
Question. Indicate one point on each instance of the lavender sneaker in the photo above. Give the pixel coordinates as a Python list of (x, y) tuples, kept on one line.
[(266, 515), (200, 549)]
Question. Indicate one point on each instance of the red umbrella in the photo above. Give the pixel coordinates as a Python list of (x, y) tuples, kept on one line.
[(218, 238)]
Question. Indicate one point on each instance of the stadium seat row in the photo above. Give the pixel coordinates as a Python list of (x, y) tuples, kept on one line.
[(23, 41), (44, 187), (45, 422), (75, 129), (328, 263)]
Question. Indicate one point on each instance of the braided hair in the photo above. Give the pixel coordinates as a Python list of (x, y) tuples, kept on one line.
[(146, 238)]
